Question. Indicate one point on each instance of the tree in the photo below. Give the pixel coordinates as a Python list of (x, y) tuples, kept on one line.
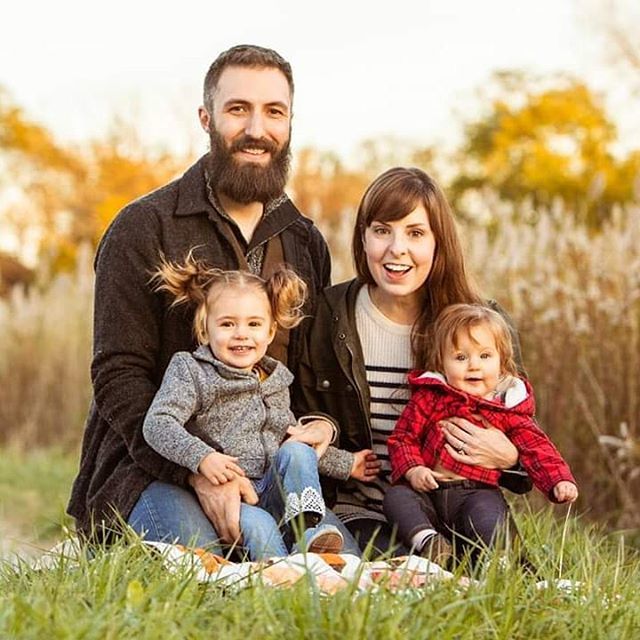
[(539, 143), (70, 195), (37, 167), (324, 187)]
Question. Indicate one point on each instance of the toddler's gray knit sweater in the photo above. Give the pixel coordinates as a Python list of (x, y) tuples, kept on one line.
[(204, 405)]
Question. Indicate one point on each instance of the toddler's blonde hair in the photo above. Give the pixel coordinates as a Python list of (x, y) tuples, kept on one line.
[(194, 282)]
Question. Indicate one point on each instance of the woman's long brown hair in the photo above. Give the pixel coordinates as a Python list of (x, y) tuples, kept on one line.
[(392, 196)]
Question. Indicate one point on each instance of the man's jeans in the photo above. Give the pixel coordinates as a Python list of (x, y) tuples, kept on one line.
[(168, 513)]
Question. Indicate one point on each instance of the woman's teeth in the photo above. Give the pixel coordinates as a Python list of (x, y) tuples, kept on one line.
[(397, 268)]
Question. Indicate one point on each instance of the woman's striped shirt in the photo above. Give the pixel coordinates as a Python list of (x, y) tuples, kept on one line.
[(386, 346)]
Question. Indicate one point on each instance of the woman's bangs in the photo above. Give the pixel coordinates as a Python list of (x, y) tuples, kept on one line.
[(393, 205)]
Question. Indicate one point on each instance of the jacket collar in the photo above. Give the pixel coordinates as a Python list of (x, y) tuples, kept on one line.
[(193, 199), (192, 191), (278, 374), (342, 301)]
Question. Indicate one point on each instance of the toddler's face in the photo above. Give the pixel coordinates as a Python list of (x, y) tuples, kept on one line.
[(473, 364), (240, 326)]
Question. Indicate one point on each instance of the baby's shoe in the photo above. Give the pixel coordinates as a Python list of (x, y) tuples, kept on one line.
[(437, 549)]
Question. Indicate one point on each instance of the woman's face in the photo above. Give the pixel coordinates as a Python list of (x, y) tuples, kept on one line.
[(400, 253)]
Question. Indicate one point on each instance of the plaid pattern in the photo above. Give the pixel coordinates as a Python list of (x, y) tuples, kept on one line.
[(418, 439)]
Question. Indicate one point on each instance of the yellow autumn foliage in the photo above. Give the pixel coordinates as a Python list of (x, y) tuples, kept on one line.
[(541, 144)]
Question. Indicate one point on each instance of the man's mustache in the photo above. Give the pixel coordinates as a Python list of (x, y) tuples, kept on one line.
[(248, 142)]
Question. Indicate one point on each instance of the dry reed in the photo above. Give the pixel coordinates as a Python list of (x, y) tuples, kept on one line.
[(574, 295)]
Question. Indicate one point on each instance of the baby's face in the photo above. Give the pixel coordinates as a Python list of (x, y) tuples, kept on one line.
[(473, 364)]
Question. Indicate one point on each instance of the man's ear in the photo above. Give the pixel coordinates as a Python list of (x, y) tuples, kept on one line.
[(205, 118)]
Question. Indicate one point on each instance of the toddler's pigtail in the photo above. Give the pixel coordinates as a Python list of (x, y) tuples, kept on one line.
[(287, 293), (188, 283)]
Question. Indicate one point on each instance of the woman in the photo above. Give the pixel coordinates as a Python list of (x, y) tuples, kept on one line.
[(369, 332)]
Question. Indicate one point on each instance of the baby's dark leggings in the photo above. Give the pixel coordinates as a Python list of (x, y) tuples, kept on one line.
[(465, 511)]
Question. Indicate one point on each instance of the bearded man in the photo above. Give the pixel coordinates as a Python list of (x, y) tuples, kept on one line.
[(231, 209)]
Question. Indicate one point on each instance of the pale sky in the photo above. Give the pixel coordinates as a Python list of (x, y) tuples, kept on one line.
[(362, 68)]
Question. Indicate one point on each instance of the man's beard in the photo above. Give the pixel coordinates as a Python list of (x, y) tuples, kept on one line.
[(247, 181)]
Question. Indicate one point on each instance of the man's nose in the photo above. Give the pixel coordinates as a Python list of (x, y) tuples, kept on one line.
[(255, 125)]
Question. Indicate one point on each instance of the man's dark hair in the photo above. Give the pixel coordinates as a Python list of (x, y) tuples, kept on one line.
[(243, 55)]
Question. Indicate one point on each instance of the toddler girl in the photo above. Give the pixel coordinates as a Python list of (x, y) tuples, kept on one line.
[(223, 410), (436, 494)]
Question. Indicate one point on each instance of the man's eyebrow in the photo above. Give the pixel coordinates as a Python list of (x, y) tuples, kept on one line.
[(278, 103)]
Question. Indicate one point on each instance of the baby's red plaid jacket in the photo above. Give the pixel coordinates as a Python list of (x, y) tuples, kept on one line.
[(418, 439)]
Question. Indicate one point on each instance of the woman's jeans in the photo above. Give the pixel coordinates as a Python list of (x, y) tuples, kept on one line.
[(469, 512), (168, 513)]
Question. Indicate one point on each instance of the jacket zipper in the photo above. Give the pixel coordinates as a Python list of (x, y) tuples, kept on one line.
[(365, 410)]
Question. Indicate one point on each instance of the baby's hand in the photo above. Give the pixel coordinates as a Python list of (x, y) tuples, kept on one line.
[(422, 478), (219, 468), (565, 491), (366, 465)]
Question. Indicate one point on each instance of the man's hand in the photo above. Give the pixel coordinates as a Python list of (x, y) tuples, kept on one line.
[(565, 491), (366, 465), (422, 478), (316, 433), (221, 503), (219, 468), (483, 446)]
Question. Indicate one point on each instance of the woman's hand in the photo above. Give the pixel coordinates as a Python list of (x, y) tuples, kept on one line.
[(487, 447), (366, 465), (422, 478), (219, 468), (316, 433)]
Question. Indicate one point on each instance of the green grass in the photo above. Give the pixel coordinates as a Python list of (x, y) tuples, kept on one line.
[(34, 488), (126, 592)]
